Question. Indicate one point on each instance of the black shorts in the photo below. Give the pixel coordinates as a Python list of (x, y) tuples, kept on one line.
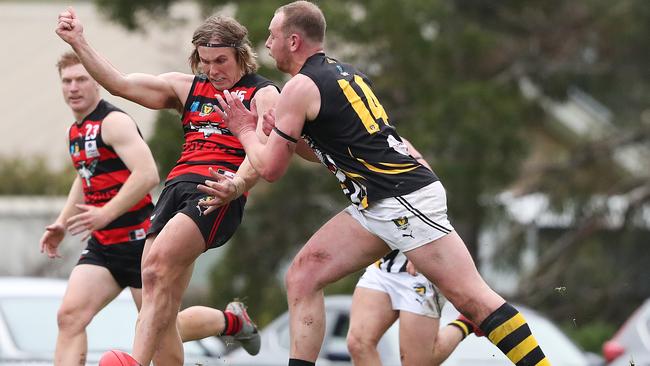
[(121, 260), (216, 227)]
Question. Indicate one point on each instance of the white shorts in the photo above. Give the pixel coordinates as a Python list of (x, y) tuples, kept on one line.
[(409, 221), (414, 294)]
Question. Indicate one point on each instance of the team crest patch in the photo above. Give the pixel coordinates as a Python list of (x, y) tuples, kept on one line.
[(402, 223), (202, 209), (206, 109), (420, 289)]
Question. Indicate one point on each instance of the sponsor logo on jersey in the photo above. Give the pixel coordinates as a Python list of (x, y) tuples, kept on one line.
[(74, 150), (91, 149), (195, 106), (137, 234), (208, 129)]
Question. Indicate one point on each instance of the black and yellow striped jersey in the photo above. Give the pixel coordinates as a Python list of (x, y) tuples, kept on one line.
[(352, 136)]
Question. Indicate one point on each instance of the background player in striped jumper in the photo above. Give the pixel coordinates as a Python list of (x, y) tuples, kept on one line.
[(109, 202), (333, 107), (388, 291), (181, 229), (104, 142)]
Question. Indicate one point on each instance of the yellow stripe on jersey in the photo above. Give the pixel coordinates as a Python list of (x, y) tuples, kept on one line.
[(387, 171), (398, 165), (544, 362), (506, 328), (407, 167), (352, 175), (359, 107)]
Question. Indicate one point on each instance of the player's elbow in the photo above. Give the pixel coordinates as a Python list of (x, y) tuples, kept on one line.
[(150, 179), (272, 173), (270, 176)]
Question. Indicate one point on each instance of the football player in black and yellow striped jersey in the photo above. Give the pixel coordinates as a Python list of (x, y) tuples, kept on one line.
[(396, 203)]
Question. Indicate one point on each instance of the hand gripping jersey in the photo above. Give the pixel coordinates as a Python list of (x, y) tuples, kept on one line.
[(102, 175), (352, 137), (208, 142)]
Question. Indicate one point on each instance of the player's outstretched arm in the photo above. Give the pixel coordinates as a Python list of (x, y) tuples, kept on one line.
[(152, 91)]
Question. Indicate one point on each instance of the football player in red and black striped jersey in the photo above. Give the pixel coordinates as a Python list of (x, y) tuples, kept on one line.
[(181, 228), (109, 203)]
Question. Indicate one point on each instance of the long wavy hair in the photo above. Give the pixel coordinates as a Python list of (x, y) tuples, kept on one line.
[(226, 30)]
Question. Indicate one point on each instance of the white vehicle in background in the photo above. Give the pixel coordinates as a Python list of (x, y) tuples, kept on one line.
[(28, 328), (473, 351), (631, 343)]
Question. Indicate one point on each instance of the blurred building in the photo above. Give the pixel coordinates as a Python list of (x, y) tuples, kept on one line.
[(35, 118)]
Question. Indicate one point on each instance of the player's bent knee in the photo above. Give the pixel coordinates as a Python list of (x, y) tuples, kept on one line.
[(359, 345), (73, 319), (299, 281), (152, 277)]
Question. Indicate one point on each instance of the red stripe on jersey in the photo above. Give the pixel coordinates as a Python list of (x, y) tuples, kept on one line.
[(146, 201), (106, 154), (123, 234)]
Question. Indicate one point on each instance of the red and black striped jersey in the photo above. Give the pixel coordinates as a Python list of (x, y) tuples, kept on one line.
[(208, 142), (102, 174), (352, 137)]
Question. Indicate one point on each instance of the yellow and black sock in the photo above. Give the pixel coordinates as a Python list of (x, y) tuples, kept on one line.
[(508, 330)]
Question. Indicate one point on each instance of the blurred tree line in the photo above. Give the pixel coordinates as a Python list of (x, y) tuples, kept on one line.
[(32, 176), (450, 74)]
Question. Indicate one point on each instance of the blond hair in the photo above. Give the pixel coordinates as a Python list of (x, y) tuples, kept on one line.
[(305, 18), (66, 60), (224, 30)]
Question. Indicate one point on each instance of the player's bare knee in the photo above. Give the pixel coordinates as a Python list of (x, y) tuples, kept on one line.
[(72, 319), (153, 276), (358, 345), (299, 281), (307, 270)]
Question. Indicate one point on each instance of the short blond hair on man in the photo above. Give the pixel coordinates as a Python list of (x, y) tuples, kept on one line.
[(305, 18), (66, 60)]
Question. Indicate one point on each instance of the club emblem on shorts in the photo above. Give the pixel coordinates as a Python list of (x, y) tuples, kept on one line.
[(402, 223), (420, 289), (202, 209)]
